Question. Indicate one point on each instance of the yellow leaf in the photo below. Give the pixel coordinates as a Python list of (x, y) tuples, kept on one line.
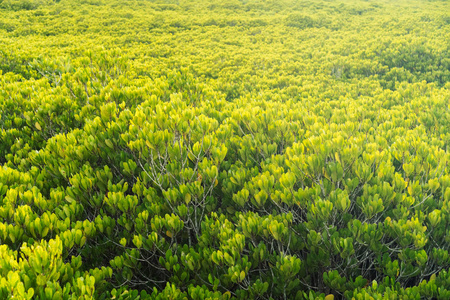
[(187, 198), (109, 144), (149, 145), (169, 234), (242, 275), (38, 126), (410, 190), (329, 297)]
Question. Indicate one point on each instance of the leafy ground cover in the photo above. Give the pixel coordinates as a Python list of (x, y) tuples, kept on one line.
[(201, 149)]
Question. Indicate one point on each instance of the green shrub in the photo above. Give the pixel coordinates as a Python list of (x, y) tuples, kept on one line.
[(238, 150)]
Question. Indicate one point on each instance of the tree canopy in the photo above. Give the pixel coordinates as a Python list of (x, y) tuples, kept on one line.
[(200, 149)]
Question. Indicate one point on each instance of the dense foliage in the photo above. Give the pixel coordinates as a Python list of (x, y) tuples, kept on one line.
[(201, 149)]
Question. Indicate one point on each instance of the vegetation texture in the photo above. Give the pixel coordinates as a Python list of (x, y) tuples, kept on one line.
[(203, 149)]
